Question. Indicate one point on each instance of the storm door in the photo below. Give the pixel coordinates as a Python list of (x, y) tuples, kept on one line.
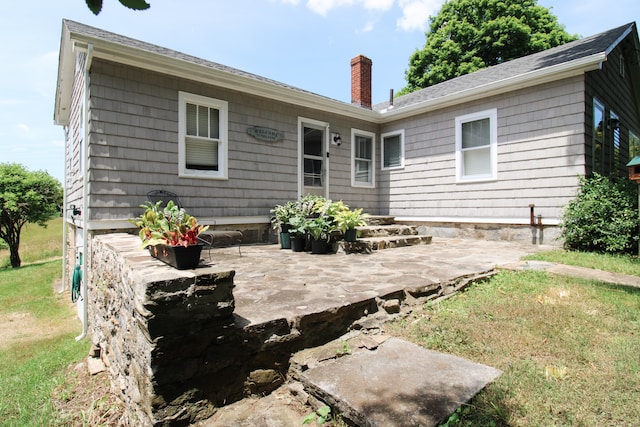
[(313, 162)]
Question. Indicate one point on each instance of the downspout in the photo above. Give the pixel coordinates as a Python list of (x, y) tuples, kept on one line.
[(65, 235), (85, 193)]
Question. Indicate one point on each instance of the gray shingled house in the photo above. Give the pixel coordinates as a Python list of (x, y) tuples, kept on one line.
[(464, 156)]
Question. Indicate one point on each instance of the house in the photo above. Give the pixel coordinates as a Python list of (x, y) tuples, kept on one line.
[(498, 150)]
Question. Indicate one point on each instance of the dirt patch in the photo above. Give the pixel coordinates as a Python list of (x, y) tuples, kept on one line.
[(87, 400)]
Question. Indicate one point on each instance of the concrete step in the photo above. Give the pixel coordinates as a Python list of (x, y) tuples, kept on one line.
[(375, 380), (369, 244)]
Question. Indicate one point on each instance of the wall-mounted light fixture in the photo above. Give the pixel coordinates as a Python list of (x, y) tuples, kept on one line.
[(336, 139), (75, 211)]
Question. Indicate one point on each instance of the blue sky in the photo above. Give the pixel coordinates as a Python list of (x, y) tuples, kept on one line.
[(305, 43)]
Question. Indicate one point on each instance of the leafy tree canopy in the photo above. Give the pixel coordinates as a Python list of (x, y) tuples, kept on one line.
[(468, 35), (96, 5), (25, 197)]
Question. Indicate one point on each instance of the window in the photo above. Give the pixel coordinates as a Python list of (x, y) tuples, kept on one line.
[(202, 136), (634, 145), (393, 150), (614, 123), (476, 146), (598, 137), (362, 158)]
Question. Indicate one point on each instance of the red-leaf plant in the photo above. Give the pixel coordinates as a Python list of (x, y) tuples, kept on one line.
[(170, 225)]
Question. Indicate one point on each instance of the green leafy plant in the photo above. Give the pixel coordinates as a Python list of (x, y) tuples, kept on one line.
[(281, 214), (298, 226), (320, 228), (321, 416), (603, 217), (170, 225), (344, 348), (350, 219)]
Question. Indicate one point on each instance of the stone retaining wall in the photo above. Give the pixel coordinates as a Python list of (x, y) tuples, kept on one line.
[(167, 336)]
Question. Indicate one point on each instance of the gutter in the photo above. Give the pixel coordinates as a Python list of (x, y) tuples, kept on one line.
[(85, 193)]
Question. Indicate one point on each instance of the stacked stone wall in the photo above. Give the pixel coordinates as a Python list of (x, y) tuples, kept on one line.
[(167, 336)]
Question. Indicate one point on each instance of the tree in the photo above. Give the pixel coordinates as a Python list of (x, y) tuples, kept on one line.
[(96, 5), (25, 197), (468, 35)]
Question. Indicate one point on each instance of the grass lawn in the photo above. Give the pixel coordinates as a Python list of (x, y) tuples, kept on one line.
[(37, 330), (569, 348), (37, 243)]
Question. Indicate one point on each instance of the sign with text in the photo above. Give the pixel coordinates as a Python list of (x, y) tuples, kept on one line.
[(265, 134)]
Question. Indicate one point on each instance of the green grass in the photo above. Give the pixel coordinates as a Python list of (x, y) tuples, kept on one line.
[(34, 362), (37, 243), (614, 263), (568, 347)]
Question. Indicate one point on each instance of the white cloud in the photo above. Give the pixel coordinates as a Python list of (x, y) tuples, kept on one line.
[(368, 27), (378, 4), (322, 7), (415, 13)]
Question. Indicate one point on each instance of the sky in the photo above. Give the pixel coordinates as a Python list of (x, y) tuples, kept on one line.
[(304, 43)]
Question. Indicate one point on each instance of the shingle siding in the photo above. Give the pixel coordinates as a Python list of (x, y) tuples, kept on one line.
[(134, 148), (536, 163)]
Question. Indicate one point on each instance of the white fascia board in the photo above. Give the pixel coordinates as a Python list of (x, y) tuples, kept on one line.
[(533, 78), (196, 72), (64, 85)]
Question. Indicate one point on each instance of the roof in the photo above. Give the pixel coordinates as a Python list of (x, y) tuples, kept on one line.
[(553, 64), (579, 56)]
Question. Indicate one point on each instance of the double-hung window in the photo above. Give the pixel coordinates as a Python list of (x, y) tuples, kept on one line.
[(203, 140), (476, 146), (393, 150), (362, 158)]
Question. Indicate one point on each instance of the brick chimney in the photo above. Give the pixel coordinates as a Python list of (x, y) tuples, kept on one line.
[(361, 81)]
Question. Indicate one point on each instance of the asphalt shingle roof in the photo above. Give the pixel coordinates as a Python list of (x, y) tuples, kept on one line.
[(582, 48), (555, 56)]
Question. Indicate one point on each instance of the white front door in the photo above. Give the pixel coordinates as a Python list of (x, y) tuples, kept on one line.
[(313, 157)]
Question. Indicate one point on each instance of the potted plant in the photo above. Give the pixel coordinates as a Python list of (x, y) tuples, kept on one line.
[(280, 220), (347, 222), (320, 229), (170, 234), (298, 228)]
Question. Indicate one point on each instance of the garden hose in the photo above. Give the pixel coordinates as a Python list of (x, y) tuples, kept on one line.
[(76, 280)]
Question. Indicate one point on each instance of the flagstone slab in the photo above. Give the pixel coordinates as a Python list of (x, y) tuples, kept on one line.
[(397, 384)]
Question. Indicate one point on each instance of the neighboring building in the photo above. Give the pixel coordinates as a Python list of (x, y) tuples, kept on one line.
[(464, 156)]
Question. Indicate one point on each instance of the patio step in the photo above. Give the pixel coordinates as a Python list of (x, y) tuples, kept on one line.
[(376, 380), (382, 233), (381, 220), (387, 230), (369, 244)]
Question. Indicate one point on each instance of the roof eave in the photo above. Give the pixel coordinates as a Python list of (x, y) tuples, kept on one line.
[(66, 65), (533, 78), (184, 69)]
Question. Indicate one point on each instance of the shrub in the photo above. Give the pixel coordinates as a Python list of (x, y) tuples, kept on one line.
[(603, 217)]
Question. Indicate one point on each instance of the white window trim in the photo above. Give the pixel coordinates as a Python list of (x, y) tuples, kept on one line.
[(492, 115), (382, 137), (223, 147), (354, 183)]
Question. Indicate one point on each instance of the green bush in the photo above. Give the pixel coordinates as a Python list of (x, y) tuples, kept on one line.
[(3, 244), (603, 217)]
